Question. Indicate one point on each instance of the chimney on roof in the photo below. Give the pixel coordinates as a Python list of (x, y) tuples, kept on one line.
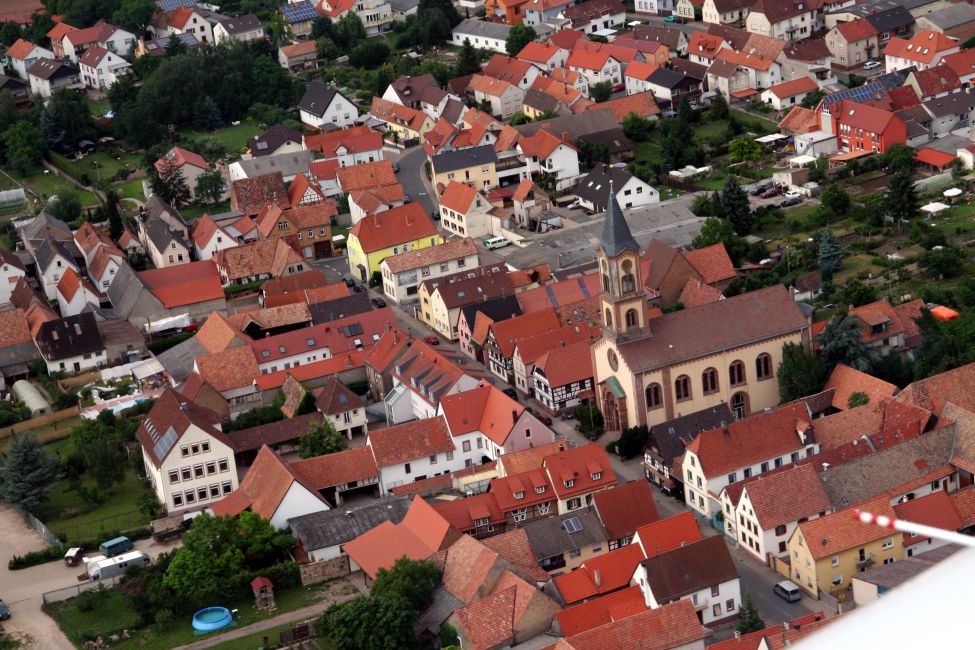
[(565, 137), (596, 579), (737, 635), (825, 466), (182, 406), (514, 415), (785, 625)]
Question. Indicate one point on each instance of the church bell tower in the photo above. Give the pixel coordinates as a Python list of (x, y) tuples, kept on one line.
[(623, 303)]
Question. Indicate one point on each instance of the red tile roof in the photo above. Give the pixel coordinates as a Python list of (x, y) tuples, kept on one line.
[(336, 336), (756, 438), (668, 534), (840, 532), (489, 85), (527, 459), (20, 49), (492, 621), (542, 144), (180, 156), (402, 443), (59, 30), (228, 370), (579, 466), (334, 398), (466, 566), (458, 196), (607, 609), (264, 487), (704, 44), (566, 365), (800, 120), (771, 635), (936, 509), (671, 626), (624, 508), (792, 88), (14, 328), (712, 263), (249, 195), (935, 392), (506, 333), (69, 284), (184, 284), (963, 63), (348, 466), (485, 409), (612, 570), (937, 80), (856, 30), (643, 104), (462, 513), (538, 52), (339, 363), (172, 410), (387, 348), (588, 60), (399, 225), (89, 239), (964, 502), (525, 483), (844, 381), (403, 116), (788, 496), (506, 68), (921, 48), (354, 139), (558, 294)]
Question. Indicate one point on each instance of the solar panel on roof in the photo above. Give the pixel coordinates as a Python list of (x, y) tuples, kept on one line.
[(171, 5), (162, 448), (572, 525), (858, 94), (298, 12)]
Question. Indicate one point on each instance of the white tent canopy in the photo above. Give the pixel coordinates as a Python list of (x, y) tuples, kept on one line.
[(954, 191), (772, 137), (934, 208), (800, 161)]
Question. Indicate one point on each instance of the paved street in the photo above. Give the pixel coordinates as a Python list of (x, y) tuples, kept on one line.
[(688, 28), (411, 175)]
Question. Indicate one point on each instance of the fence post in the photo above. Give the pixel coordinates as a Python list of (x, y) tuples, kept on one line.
[(39, 526)]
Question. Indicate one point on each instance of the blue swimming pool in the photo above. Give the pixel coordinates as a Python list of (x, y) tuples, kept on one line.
[(211, 618)]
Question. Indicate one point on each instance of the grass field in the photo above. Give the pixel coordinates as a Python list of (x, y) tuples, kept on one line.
[(49, 184), (108, 164), (233, 137), (112, 614), (48, 435), (196, 210), (66, 512), (273, 635), (131, 189)]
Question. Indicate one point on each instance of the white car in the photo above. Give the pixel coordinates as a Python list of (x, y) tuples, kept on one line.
[(870, 65), (793, 195)]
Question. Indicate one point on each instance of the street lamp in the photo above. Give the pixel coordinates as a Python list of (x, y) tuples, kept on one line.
[(98, 175)]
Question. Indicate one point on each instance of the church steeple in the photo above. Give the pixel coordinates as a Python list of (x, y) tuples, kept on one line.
[(624, 305)]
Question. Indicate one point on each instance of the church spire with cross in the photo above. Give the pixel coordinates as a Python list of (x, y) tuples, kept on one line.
[(623, 303)]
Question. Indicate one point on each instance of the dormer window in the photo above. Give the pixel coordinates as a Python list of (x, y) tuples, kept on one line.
[(540, 489), (480, 522), (597, 475), (570, 483), (519, 495)]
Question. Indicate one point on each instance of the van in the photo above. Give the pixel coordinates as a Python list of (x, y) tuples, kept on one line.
[(99, 569), (787, 591), (491, 243), (116, 546)]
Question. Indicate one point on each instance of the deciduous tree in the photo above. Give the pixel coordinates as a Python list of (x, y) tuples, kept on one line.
[(23, 146), (209, 186), (414, 580), (30, 475), (519, 36), (320, 439), (601, 92), (799, 373), (744, 150)]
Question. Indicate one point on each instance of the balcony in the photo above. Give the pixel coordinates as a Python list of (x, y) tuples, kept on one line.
[(865, 560)]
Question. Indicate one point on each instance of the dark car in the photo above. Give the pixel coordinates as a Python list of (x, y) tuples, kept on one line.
[(789, 202), (431, 340), (511, 392), (4, 611), (759, 190), (378, 303), (406, 199), (771, 192), (546, 420), (349, 282), (395, 168), (568, 415), (358, 289)]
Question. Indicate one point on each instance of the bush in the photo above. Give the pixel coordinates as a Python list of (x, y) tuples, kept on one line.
[(35, 557), (88, 600), (161, 345), (590, 420), (632, 442), (238, 289)]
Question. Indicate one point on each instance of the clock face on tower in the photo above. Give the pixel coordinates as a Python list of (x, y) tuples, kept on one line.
[(614, 363)]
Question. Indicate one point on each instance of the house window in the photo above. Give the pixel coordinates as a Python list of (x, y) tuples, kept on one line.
[(223, 465), (736, 373), (481, 522), (519, 495), (211, 468), (682, 388), (732, 477), (433, 459), (226, 487), (521, 514), (654, 396), (540, 489), (201, 493), (205, 446), (194, 449), (450, 455), (214, 490), (837, 580), (835, 561), (466, 446), (184, 451), (407, 468), (197, 471), (570, 482), (187, 474), (173, 476), (573, 504), (729, 605), (780, 530), (715, 590), (543, 509), (888, 543), (190, 496), (763, 366), (177, 499), (597, 476), (716, 609), (480, 443), (710, 380)]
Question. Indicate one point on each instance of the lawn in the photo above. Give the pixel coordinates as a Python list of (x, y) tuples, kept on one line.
[(649, 152), (112, 614), (273, 635), (108, 164), (66, 512), (196, 210), (47, 184), (754, 122), (233, 137), (131, 189), (50, 435)]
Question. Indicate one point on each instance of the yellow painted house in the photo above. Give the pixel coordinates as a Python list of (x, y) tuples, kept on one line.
[(826, 553), (475, 166), (376, 237)]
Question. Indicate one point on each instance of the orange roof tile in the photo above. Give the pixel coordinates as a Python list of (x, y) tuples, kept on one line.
[(14, 328), (643, 104), (696, 294), (936, 509), (466, 565), (228, 370), (642, 70), (838, 532), (507, 69), (528, 459), (614, 607), (184, 284), (755, 640), (180, 156), (856, 30), (538, 52), (343, 362), (788, 496), (217, 334), (923, 47), (88, 238), (614, 571), (366, 175), (492, 621), (264, 487), (485, 409), (463, 513), (348, 466), (393, 227), (671, 626), (963, 63), (712, 263), (884, 418), (587, 59), (489, 85), (668, 534), (59, 30), (69, 284), (566, 365), (964, 502), (20, 49), (844, 381), (579, 466), (800, 120), (391, 112), (458, 196), (204, 229), (704, 44), (624, 508), (531, 348), (300, 48), (792, 88), (527, 483), (402, 443), (935, 392), (505, 333), (353, 139), (754, 61)]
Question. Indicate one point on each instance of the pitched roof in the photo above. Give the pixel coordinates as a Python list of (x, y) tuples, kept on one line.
[(327, 528), (485, 409), (169, 418), (607, 609), (266, 256), (264, 487), (458, 196), (587, 59), (273, 433), (936, 80), (492, 621), (572, 531), (506, 68), (366, 175), (70, 336), (59, 30), (353, 139), (671, 626), (507, 332), (537, 52), (936, 509), (643, 104), (844, 381), (393, 227), (14, 329), (402, 443), (840, 531), (250, 194), (269, 141), (20, 49), (690, 568), (228, 370), (339, 468), (463, 513), (624, 508), (793, 88), (580, 467), (884, 421), (712, 263), (800, 120), (668, 534), (602, 574), (787, 496), (963, 62), (754, 439), (334, 398), (566, 365), (391, 112), (923, 47), (518, 462), (935, 392)]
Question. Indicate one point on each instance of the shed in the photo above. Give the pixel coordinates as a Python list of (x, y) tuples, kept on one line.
[(27, 393)]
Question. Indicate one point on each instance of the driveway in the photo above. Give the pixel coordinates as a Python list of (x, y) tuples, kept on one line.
[(413, 178), (22, 590)]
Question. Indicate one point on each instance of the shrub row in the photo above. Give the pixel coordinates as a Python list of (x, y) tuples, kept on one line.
[(52, 553)]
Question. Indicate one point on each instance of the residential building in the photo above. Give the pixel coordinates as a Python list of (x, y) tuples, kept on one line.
[(676, 625), (954, 21), (209, 238), (349, 146), (475, 166), (277, 139), (474, 320), (409, 124), (11, 270), (861, 127), (851, 44), (257, 261), (702, 573), (376, 15), (403, 273), (788, 94), (305, 228), (182, 20), (299, 56), (52, 259), (442, 299), (937, 510), (499, 345), (923, 50), (563, 542), (949, 113), (17, 88), (188, 460), (703, 47), (788, 20), (321, 105), (545, 153), (545, 56), (22, 54), (71, 344), (155, 294), (482, 34), (46, 75), (562, 376), (287, 165), (725, 12), (421, 93), (631, 192), (17, 347), (714, 459), (596, 67), (112, 38), (593, 16), (165, 244), (243, 29), (887, 327), (374, 238), (934, 82), (674, 38), (624, 509), (504, 98), (75, 293), (321, 535), (299, 16), (191, 165), (342, 407), (412, 451)]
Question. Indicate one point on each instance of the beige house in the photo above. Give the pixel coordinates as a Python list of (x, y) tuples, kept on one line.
[(475, 166), (441, 300), (852, 44), (787, 20), (464, 211), (725, 12)]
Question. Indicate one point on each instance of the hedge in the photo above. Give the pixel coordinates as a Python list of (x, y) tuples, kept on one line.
[(237, 289), (69, 168), (52, 553), (160, 346)]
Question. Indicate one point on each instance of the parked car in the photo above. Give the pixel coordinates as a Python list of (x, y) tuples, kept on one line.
[(546, 420), (788, 591), (675, 19), (4, 611), (431, 340), (771, 192), (349, 282), (395, 168), (870, 65), (357, 288), (618, 87), (793, 195), (759, 190), (406, 199), (378, 303), (511, 392), (568, 415), (791, 201)]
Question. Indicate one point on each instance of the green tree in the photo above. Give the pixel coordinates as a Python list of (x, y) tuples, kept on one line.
[(519, 118), (134, 15), (23, 146), (703, 206), (719, 231), (122, 92), (592, 153), (115, 225), (856, 399), (371, 623), (8, 110), (632, 441), (67, 207), (942, 261), (209, 186), (749, 619), (40, 24), (835, 199), (744, 150), (101, 450), (519, 36), (856, 293), (327, 49), (413, 580), (67, 119), (637, 128), (322, 27), (174, 47), (946, 344), (735, 207), (841, 341), (30, 473), (900, 158), (9, 33), (811, 100), (902, 198), (210, 556), (892, 367), (349, 31), (830, 255), (369, 54), (601, 92), (206, 114), (467, 60), (320, 439), (170, 184), (800, 373), (718, 109)]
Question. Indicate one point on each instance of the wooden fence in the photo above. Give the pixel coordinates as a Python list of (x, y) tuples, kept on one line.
[(79, 380), (40, 421)]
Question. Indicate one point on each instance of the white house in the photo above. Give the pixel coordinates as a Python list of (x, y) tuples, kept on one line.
[(504, 98), (47, 75), (631, 192), (702, 572), (75, 293), (725, 12), (104, 266), (712, 462), (183, 20), (71, 344), (788, 94), (112, 38), (100, 68), (655, 7), (345, 409), (209, 238), (242, 28), (321, 105), (923, 50), (413, 451), (768, 509), (11, 270), (596, 67), (482, 34), (403, 273), (787, 20), (464, 211), (544, 56), (421, 378), (53, 258), (22, 55), (546, 154), (189, 462)]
